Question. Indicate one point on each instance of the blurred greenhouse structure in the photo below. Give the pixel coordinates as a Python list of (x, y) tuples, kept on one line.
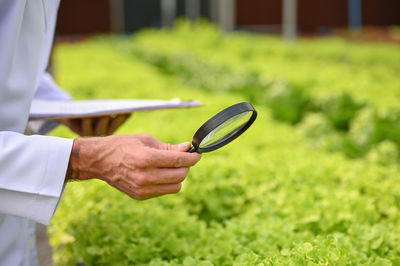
[(292, 17)]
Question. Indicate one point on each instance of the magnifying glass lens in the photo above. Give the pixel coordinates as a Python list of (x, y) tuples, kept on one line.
[(225, 130), (223, 127)]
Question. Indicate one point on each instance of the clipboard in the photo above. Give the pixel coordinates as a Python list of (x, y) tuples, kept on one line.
[(55, 110)]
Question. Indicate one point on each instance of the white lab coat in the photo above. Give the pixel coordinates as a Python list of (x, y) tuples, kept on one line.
[(32, 168)]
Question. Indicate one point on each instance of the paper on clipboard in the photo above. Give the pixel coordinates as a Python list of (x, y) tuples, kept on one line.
[(52, 110)]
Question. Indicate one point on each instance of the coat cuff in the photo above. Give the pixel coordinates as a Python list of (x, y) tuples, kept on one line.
[(36, 196), (49, 194)]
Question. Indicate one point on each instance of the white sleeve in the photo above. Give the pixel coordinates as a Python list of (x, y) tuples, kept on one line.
[(32, 168), (32, 174), (46, 90)]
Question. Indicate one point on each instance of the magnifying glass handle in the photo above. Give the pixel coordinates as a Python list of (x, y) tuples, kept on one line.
[(192, 149)]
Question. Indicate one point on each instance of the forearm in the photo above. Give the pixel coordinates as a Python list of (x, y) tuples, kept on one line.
[(86, 155)]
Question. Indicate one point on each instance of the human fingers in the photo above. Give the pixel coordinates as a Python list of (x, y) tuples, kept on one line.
[(157, 176), (157, 190), (143, 193), (116, 122), (149, 140), (172, 158), (101, 126), (184, 147), (153, 142), (87, 127), (73, 124)]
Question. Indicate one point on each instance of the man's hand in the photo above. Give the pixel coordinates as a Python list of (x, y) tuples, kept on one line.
[(96, 126), (139, 165)]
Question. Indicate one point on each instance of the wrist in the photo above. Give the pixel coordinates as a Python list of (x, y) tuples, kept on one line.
[(73, 172), (82, 161)]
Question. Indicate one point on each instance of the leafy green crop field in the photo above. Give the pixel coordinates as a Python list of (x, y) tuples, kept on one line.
[(282, 194)]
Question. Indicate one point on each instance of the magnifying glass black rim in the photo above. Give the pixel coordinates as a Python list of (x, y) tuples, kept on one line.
[(217, 120)]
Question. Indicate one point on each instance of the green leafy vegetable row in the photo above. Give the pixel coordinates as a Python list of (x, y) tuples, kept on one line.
[(267, 198), (288, 102)]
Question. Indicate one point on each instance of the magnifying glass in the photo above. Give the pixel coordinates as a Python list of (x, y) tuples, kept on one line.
[(224, 127)]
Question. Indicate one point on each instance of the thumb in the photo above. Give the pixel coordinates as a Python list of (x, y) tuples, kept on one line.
[(185, 146)]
